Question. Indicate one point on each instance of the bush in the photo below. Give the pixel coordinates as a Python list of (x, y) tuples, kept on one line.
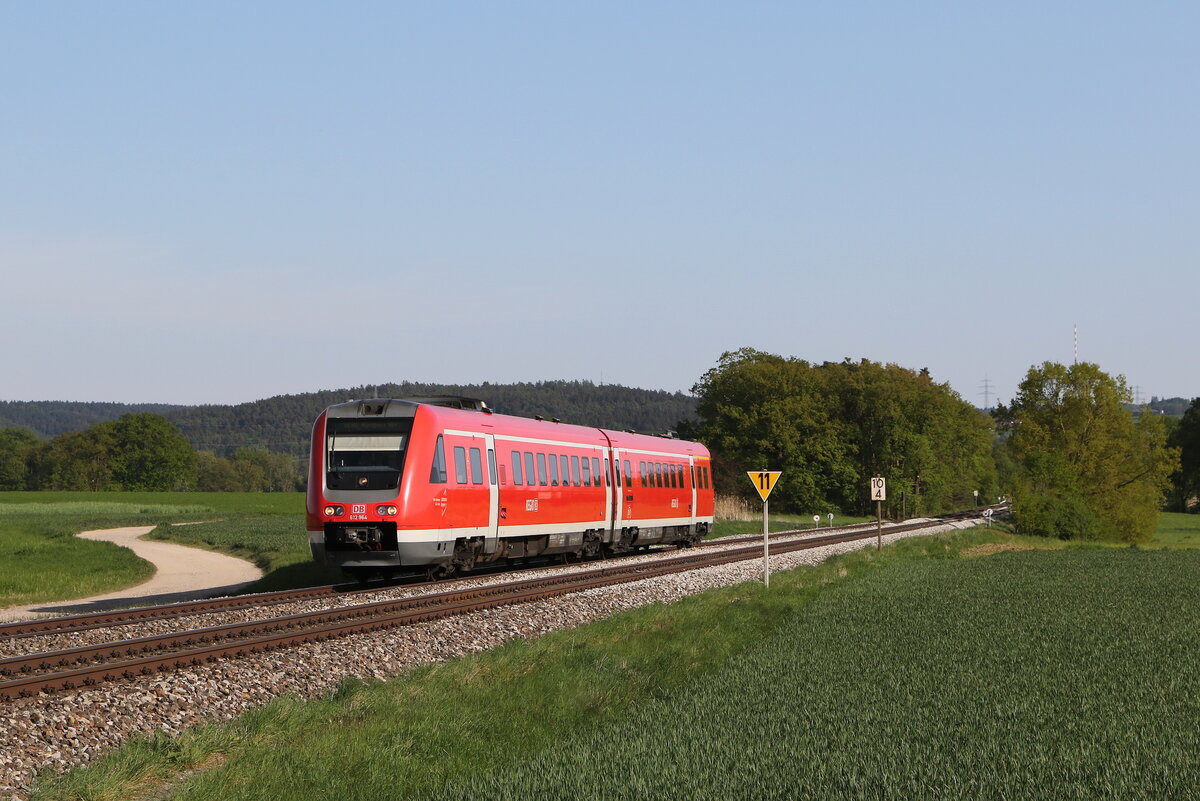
[(1064, 518)]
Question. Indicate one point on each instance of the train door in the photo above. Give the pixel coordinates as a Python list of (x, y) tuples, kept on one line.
[(491, 537), (617, 498), (692, 481)]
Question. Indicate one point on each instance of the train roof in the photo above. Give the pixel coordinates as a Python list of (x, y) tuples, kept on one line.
[(467, 413)]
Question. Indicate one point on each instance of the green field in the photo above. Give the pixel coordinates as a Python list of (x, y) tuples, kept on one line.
[(1177, 531), (44, 560), (910, 673)]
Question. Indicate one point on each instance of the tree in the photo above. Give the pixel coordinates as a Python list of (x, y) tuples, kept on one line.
[(17, 446), (761, 411), (274, 472), (78, 460), (1086, 470), (149, 453), (1186, 437)]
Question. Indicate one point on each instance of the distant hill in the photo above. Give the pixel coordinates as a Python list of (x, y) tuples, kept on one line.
[(283, 424), (50, 418)]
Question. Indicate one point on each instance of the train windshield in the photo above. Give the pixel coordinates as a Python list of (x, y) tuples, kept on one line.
[(365, 454)]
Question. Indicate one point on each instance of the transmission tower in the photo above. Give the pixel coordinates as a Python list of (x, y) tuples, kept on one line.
[(986, 389)]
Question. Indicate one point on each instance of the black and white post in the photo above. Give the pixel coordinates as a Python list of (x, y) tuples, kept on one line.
[(879, 495)]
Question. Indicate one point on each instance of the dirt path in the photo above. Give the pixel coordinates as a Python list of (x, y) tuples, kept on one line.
[(181, 574)]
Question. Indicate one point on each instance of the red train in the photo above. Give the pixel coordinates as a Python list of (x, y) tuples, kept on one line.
[(444, 484)]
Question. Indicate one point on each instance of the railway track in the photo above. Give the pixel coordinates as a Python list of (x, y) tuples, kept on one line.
[(69, 624), (85, 666)]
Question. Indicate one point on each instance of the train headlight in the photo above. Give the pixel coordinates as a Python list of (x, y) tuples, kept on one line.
[(385, 510), (334, 511)]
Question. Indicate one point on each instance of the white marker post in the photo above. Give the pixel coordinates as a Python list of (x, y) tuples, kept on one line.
[(816, 521), (831, 519), (764, 482), (879, 495)]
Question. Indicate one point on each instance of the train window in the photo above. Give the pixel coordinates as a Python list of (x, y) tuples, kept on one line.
[(553, 470), (704, 474), (492, 465), (565, 462), (476, 466), (642, 472), (671, 476), (437, 475), (692, 474), (530, 473), (460, 464), (658, 475), (596, 471), (628, 474), (587, 473), (541, 460), (608, 474), (575, 471), (516, 463)]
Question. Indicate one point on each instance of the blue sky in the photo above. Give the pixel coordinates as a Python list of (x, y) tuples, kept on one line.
[(220, 202)]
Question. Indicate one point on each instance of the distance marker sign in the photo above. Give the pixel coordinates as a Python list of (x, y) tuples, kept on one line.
[(878, 489), (764, 481)]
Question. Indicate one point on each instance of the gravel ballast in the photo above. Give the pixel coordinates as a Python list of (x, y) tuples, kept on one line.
[(56, 732)]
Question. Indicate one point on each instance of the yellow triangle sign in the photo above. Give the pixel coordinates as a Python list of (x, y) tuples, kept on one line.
[(764, 481)]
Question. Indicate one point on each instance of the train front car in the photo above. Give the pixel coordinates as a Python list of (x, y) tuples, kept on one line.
[(356, 469)]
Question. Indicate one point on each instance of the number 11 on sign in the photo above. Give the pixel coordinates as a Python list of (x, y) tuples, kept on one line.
[(764, 481)]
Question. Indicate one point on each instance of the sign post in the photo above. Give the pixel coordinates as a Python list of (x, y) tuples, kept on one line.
[(816, 521), (764, 481), (879, 495)]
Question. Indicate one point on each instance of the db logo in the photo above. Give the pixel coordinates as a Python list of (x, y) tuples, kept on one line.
[(358, 509), (531, 505)]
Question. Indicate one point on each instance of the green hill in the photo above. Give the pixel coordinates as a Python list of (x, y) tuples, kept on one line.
[(282, 424)]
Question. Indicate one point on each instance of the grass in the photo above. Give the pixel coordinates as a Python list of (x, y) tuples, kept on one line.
[(912, 672), (44, 560), (1177, 531)]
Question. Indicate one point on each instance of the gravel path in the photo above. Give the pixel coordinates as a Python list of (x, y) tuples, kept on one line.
[(52, 733), (181, 574)]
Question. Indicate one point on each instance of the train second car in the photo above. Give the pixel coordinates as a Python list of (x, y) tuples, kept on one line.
[(443, 485)]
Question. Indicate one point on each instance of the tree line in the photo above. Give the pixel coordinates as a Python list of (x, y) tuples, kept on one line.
[(143, 451), (830, 427), (1069, 451)]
